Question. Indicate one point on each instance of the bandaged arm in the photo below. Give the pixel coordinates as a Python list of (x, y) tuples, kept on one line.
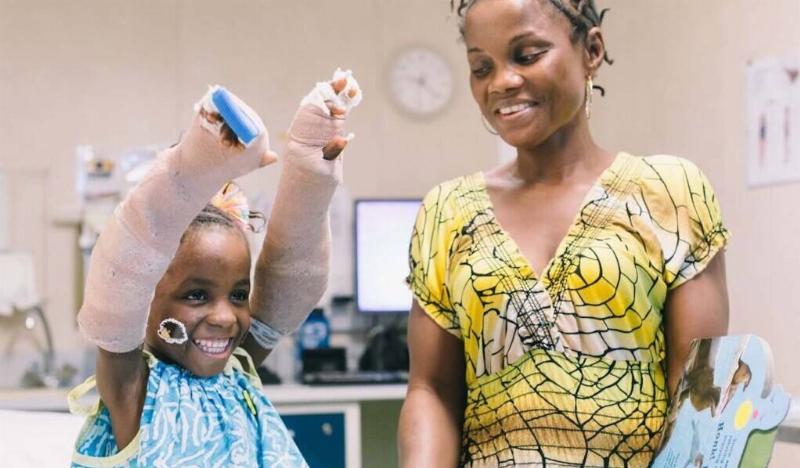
[(140, 239), (292, 269)]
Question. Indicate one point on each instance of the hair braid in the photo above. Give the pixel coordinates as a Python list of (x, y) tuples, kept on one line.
[(583, 15), (211, 216)]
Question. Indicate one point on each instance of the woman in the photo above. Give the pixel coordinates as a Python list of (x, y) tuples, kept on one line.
[(556, 296)]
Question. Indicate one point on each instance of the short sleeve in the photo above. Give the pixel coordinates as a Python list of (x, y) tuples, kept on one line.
[(433, 234), (691, 217)]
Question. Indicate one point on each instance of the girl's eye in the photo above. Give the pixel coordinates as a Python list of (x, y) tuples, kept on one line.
[(240, 295), (196, 295)]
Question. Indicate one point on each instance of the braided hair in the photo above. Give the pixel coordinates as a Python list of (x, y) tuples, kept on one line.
[(211, 216), (582, 14)]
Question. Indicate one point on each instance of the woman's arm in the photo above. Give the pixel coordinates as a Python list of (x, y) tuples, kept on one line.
[(429, 433), (696, 309)]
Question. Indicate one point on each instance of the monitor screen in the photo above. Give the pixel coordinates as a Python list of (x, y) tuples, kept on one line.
[(382, 234)]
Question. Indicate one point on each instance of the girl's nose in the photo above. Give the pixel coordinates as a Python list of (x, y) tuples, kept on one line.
[(222, 316)]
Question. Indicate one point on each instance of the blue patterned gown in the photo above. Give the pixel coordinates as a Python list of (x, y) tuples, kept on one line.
[(219, 421)]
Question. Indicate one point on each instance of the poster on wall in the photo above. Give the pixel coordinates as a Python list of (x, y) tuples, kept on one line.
[(773, 121)]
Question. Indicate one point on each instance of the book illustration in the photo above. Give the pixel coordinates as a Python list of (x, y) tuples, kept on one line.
[(726, 393)]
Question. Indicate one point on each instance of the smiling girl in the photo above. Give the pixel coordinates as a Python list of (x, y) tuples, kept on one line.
[(168, 294)]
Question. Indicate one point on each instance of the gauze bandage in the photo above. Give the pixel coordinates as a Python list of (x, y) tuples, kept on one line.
[(292, 269), (140, 239), (344, 100)]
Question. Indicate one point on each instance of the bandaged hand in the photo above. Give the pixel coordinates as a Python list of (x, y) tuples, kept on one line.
[(139, 241), (318, 125), (292, 269)]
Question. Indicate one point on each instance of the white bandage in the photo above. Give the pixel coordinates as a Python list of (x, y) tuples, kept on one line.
[(266, 336), (323, 92), (141, 238), (292, 269)]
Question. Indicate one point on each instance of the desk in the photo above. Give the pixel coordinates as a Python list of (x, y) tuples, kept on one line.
[(368, 414), (293, 394)]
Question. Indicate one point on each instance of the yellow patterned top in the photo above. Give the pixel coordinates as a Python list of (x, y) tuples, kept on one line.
[(566, 366)]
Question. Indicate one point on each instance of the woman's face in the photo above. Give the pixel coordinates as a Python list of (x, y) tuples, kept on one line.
[(207, 288), (527, 74)]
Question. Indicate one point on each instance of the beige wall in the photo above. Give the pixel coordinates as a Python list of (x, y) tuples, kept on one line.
[(116, 73), (678, 87)]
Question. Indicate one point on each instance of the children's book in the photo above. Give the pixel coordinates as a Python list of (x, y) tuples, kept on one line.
[(726, 409)]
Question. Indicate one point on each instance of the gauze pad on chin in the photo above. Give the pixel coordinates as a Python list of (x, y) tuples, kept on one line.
[(139, 241), (292, 269)]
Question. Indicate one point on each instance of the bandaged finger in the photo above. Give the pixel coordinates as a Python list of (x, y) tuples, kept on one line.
[(323, 94)]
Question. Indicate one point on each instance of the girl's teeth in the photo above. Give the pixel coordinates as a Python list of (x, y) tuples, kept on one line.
[(213, 346)]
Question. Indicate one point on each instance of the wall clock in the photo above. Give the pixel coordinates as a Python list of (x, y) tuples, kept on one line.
[(420, 81)]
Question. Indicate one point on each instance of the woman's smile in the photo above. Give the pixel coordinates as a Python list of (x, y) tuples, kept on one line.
[(514, 112)]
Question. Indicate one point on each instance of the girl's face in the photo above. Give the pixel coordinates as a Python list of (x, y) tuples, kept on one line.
[(527, 74), (207, 288)]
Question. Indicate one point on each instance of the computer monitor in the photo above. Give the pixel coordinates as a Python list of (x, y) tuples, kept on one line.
[(382, 235)]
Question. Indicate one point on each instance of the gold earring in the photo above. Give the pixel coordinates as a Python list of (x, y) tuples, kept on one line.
[(589, 89), (487, 126)]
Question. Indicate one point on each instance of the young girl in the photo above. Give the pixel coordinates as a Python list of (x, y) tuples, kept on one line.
[(191, 397)]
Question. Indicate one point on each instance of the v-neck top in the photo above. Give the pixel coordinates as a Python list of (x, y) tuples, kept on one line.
[(645, 227)]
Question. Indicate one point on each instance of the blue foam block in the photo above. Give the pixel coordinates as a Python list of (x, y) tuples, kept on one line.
[(237, 119)]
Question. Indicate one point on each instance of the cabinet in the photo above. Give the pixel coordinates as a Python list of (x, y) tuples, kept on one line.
[(341, 426), (320, 438)]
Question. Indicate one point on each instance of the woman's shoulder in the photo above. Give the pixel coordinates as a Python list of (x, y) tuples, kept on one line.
[(671, 176), (455, 188), (449, 201), (669, 168), (672, 188)]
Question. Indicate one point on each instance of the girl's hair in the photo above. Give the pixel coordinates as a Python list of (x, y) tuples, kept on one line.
[(211, 216), (583, 15)]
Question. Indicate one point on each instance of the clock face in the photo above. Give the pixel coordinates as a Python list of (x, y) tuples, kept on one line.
[(421, 81)]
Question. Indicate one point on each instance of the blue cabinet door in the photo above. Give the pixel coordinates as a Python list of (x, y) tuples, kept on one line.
[(320, 438)]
